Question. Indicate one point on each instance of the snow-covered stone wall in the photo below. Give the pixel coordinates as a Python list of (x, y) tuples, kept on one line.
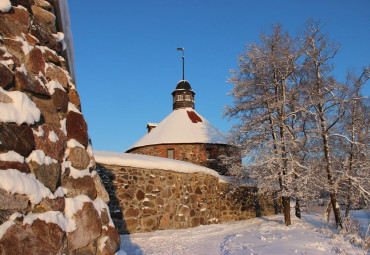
[(194, 153), (51, 199), (151, 193)]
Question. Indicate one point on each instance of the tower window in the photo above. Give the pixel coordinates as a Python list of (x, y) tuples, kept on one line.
[(208, 153), (211, 154), (180, 97), (171, 153), (187, 97)]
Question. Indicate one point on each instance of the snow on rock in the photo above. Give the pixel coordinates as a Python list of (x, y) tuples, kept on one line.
[(100, 205), (5, 6), (40, 158), (8, 62), (63, 126), (39, 132), (4, 227), (52, 85), (53, 137), (102, 243), (151, 162), (21, 110), (60, 192), (77, 173), (178, 127), (73, 108), (73, 143), (55, 217), (6, 54), (26, 47), (14, 181), (89, 150), (73, 205), (59, 37), (11, 156)]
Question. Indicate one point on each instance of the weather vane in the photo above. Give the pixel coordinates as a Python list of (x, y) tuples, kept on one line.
[(183, 62)]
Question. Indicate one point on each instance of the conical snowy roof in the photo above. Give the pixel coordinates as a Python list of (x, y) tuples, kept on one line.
[(182, 126)]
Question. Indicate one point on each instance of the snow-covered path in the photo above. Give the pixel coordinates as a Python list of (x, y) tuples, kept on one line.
[(266, 235)]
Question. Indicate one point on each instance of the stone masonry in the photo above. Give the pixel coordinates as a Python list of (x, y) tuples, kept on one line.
[(193, 153), (51, 199), (143, 200)]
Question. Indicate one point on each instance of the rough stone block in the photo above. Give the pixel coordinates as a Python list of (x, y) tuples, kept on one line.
[(60, 100), (79, 158), (100, 189), (14, 23), (111, 245), (77, 128), (6, 77), (32, 240), (81, 186), (29, 83), (44, 18), (21, 167), (13, 202), (49, 175), (88, 227), (35, 62), (53, 149), (17, 138), (56, 73), (47, 204), (48, 111)]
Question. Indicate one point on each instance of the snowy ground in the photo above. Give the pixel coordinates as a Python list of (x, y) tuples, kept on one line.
[(265, 235)]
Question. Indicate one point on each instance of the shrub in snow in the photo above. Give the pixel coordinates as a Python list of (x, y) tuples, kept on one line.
[(351, 231)]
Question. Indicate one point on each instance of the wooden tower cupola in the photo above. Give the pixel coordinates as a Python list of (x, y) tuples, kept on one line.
[(183, 96)]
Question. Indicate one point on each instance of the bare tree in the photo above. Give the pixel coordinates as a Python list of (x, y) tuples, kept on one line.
[(324, 98), (355, 140), (303, 132), (263, 93)]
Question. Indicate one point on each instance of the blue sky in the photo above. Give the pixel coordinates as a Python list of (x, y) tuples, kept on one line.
[(127, 64)]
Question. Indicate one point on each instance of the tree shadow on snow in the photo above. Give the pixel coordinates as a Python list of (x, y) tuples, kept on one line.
[(271, 220)]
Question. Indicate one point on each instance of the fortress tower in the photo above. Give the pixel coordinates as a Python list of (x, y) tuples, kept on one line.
[(184, 134)]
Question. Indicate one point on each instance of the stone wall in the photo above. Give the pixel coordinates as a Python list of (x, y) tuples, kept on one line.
[(193, 153), (143, 200), (51, 199)]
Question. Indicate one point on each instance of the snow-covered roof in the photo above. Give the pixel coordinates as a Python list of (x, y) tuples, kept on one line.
[(150, 162), (182, 126)]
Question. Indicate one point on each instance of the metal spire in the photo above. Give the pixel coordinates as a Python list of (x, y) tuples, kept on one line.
[(183, 62)]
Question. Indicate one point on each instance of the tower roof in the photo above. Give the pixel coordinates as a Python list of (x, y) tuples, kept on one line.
[(183, 125), (183, 84)]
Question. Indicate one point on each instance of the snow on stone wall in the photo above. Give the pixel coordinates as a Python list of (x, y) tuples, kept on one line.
[(51, 199), (150, 193)]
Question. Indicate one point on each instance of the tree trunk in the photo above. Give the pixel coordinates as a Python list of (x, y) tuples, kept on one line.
[(348, 205), (329, 171), (297, 208), (286, 204), (328, 211)]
